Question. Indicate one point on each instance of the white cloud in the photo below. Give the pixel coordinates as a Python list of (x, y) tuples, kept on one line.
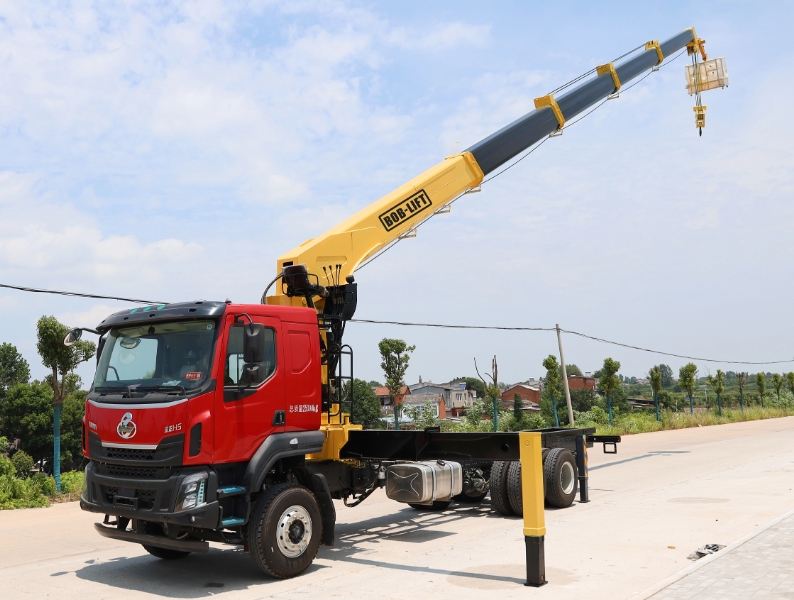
[(50, 241), (87, 318), (444, 36)]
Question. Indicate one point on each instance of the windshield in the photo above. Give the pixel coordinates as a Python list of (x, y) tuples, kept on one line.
[(158, 356)]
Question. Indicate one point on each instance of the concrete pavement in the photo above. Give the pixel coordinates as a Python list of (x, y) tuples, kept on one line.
[(760, 567), (661, 497)]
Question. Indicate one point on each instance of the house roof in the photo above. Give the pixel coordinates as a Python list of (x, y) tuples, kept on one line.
[(527, 386), (384, 391)]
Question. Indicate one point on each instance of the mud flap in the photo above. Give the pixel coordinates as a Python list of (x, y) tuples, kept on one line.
[(319, 486)]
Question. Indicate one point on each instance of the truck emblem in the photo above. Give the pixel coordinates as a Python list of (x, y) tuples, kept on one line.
[(126, 427)]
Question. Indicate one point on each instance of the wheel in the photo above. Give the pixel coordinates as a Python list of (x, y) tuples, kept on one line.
[(498, 485), (514, 491), (284, 530), (560, 477), (156, 529)]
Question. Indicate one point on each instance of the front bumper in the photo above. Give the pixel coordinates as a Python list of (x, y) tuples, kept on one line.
[(148, 499), (151, 540)]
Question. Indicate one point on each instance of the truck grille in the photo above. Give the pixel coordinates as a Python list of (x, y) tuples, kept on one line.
[(145, 497), (129, 454), (134, 472)]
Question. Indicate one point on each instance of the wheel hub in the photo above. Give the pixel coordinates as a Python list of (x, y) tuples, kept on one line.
[(294, 531), (567, 478)]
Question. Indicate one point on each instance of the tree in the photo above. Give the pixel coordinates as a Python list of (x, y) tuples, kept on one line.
[(741, 381), (13, 368), (365, 409), (582, 400), (718, 385), (790, 382), (518, 407), (572, 370), (777, 383), (655, 376), (374, 383), (423, 416), (472, 383), (686, 380), (667, 376), (62, 360), (395, 355), (492, 390), (760, 383), (27, 415), (608, 382), (551, 385)]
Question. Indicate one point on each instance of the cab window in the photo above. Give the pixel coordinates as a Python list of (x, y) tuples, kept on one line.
[(234, 355)]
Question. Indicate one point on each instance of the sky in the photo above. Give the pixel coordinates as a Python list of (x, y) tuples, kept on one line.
[(173, 150)]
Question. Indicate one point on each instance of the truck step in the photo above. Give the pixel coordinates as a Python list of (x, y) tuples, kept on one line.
[(232, 521), (230, 490)]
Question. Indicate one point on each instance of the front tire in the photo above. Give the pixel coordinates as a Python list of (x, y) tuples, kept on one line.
[(284, 530)]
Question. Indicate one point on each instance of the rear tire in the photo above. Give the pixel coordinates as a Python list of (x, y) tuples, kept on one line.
[(514, 489), (560, 477), (437, 505), (155, 529), (284, 530), (498, 485)]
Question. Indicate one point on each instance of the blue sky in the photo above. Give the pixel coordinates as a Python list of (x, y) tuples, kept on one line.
[(173, 150)]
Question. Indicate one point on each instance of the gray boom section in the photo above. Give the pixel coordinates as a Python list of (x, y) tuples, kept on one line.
[(498, 148)]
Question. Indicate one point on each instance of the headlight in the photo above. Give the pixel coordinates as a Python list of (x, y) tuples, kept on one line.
[(193, 491)]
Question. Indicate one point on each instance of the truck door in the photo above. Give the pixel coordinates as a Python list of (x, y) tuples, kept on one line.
[(249, 415)]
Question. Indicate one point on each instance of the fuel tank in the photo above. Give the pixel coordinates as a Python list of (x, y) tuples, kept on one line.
[(424, 482)]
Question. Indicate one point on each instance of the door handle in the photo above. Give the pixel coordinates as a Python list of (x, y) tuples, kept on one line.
[(279, 418)]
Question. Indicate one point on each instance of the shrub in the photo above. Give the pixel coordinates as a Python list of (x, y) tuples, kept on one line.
[(44, 483), (19, 493), (595, 416), (6, 467), (72, 482), (23, 463)]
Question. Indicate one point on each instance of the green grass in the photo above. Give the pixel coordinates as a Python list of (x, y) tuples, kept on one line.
[(646, 422)]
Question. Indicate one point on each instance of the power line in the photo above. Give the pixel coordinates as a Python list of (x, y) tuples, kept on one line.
[(77, 294), (584, 335), (435, 325), (443, 326)]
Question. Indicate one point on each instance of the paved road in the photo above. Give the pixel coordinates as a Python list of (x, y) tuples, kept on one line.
[(661, 497)]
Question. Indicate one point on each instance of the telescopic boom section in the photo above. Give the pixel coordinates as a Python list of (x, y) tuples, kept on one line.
[(342, 249)]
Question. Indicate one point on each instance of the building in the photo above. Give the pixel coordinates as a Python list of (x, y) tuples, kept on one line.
[(528, 392), (382, 393), (457, 399), (436, 400), (577, 382)]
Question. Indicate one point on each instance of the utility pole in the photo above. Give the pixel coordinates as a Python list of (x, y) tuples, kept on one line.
[(565, 378)]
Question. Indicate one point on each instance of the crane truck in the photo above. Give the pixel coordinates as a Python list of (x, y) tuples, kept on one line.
[(211, 421)]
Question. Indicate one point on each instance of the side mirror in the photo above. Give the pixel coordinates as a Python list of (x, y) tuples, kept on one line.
[(72, 336), (252, 375), (254, 343)]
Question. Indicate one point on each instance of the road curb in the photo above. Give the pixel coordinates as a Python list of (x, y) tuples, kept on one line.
[(658, 587)]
